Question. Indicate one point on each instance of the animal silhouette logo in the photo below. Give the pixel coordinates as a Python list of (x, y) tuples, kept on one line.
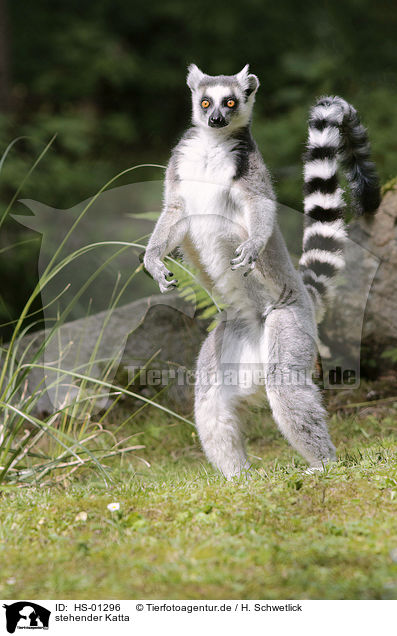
[(26, 615)]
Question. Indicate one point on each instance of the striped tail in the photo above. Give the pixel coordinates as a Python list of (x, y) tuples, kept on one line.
[(336, 136)]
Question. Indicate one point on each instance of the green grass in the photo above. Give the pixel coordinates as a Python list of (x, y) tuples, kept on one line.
[(183, 532)]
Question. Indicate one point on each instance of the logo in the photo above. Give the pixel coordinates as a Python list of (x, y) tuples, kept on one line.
[(26, 615)]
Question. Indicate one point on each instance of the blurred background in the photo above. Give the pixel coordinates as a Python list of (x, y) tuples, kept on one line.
[(109, 78)]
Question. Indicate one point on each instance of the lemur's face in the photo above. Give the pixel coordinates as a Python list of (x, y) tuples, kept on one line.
[(222, 101)]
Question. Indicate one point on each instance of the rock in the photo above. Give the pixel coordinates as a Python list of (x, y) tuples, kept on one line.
[(161, 327), (365, 308)]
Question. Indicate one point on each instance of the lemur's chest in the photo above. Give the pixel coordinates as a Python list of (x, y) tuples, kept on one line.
[(206, 170)]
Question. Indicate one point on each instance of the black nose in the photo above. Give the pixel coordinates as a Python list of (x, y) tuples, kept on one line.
[(217, 121)]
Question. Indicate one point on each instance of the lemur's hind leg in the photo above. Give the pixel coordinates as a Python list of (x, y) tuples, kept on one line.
[(295, 400), (218, 394)]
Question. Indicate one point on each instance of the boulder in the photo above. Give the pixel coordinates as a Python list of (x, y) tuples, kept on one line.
[(364, 311), (154, 340)]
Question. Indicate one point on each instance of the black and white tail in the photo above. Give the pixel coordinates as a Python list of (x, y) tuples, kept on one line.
[(336, 136)]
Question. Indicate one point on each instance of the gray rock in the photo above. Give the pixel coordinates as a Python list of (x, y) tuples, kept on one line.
[(117, 346), (365, 308)]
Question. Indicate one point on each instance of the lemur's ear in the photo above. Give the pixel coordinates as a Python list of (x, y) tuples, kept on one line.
[(248, 81), (194, 76)]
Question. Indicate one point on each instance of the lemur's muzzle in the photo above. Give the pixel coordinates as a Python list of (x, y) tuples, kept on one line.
[(217, 120)]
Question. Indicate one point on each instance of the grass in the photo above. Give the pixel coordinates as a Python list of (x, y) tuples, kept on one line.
[(183, 532)]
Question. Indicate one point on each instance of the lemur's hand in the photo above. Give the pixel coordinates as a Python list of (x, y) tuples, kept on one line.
[(246, 255), (160, 273)]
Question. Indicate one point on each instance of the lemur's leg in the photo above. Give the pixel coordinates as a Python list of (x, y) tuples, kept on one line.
[(218, 392), (289, 353)]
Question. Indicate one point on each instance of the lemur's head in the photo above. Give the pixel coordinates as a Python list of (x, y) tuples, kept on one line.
[(222, 101)]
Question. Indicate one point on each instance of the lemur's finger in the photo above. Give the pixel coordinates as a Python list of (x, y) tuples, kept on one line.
[(244, 263), (240, 250), (238, 265), (239, 259), (164, 287), (251, 267)]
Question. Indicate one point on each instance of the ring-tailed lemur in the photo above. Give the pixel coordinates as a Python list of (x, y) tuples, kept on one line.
[(219, 206)]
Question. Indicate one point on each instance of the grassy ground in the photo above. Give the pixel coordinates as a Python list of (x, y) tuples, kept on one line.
[(183, 532)]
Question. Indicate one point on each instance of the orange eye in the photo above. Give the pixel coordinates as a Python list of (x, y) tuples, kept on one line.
[(205, 103), (231, 103)]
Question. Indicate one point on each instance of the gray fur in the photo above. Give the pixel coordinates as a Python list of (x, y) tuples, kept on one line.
[(219, 206)]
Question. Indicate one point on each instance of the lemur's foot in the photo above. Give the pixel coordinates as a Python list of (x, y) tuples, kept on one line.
[(160, 274), (246, 255), (285, 300), (239, 473)]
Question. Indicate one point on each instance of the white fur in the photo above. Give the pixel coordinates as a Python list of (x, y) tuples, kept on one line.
[(206, 171), (333, 200), (217, 93), (333, 258), (219, 431), (194, 76), (330, 136), (320, 169), (242, 76), (247, 80), (332, 112), (336, 230)]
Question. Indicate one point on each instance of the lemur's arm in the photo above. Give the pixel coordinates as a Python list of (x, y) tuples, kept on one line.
[(168, 233), (257, 196)]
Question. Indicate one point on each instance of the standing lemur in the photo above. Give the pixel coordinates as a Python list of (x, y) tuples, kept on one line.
[(220, 208)]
